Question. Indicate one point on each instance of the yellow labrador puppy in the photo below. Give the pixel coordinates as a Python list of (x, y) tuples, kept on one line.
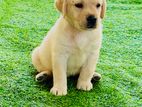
[(72, 45)]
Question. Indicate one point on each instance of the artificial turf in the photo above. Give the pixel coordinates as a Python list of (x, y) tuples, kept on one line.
[(24, 23)]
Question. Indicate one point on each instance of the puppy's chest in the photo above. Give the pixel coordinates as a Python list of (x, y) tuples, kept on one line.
[(75, 61), (81, 48), (83, 42)]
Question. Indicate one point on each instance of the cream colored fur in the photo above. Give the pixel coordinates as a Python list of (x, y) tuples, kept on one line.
[(69, 48)]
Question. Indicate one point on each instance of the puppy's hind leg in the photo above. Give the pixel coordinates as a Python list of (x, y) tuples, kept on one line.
[(43, 72), (96, 77), (43, 76)]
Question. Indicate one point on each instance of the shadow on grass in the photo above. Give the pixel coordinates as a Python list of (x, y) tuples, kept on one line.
[(48, 83)]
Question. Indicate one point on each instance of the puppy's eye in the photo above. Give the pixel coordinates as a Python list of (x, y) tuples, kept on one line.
[(79, 5), (98, 5)]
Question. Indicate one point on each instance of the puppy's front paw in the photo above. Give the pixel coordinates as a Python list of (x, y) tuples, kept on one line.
[(86, 86), (58, 91)]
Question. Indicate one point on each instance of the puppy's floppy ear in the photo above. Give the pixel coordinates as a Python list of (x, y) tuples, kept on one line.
[(61, 6), (103, 9)]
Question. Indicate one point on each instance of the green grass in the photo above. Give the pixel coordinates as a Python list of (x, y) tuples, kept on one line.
[(24, 23)]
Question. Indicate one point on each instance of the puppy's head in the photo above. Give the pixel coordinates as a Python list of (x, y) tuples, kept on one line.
[(82, 14)]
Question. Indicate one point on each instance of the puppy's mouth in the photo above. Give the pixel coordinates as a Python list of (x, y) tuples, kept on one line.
[(91, 26), (88, 27)]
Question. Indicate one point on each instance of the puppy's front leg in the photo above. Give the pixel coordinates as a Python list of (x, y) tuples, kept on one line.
[(87, 72), (59, 75)]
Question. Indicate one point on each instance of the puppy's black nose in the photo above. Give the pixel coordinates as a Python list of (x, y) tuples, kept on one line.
[(91, 21)]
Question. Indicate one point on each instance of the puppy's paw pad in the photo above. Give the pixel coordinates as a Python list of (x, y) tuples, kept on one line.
[(58, 91), (41, 77), (96, 77), (86, 86)]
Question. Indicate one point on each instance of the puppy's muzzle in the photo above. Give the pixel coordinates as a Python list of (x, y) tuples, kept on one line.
[(91, 21)]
